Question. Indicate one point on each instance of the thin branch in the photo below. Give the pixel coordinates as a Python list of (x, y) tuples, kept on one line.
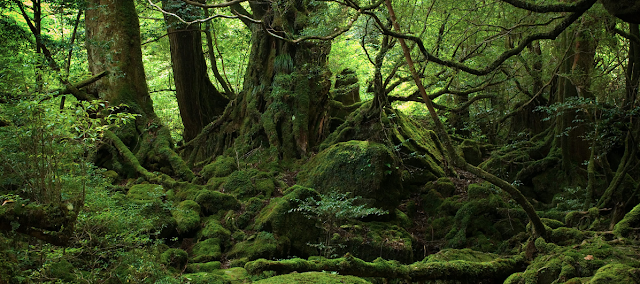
[(219, 5), (554, 8), (496, 63), (194, 21)]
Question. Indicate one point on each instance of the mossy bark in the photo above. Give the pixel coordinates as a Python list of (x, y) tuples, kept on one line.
[(113, 44), (285, 93), (460, 270)]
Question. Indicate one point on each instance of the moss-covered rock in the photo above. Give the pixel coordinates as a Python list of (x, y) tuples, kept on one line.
[(207, 250), (175, 258), (311, 278), (210, 266), (477, 220), (370, 240), (471, 152), (249, 183), (261, 245), (213, 229), (616, 273), (187, 216), (580, 260), (145, 193), (212, 202), (221, 167), (362, 168), (293, 228)]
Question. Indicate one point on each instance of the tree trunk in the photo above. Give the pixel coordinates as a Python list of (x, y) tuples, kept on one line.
[(198, 100), (285, 92), (113, 44)]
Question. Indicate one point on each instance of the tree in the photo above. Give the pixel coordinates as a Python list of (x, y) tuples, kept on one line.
[(113, 45), (199, 101)]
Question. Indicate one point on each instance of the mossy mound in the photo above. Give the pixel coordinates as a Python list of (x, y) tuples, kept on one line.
[(213, 229), (460, 254), (152, 198), (294, 230), (236, 275), (212, 202), (362, 168), (210, 266), (221, 167), (187, 216), (371, 240), (604, 261), (485, 220), (175, 258), (312, 277), (251, 208), (206, 251), (145, 193), (260, 245), (472, 151), (249, 183)]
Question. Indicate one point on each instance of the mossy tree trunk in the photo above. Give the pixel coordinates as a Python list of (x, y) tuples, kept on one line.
[(578, 65), (113, 44), (198, 99), (285, 92)]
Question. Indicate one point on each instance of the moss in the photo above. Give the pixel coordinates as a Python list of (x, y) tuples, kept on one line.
[(175, 258), (206, 251), (362, 168), (223, 166), (460, 254), (478, 191), (312, 277), (145, 193), (235, 275), (624, 228), (251, 208), (471, 152), (212, 202), (616, 273), (213, 229), (210, 266), (261, 245), (249, 183), (277, 218), (187, 216), (580, 259)]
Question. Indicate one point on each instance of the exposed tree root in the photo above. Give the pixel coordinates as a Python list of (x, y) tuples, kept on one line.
[(460, 270)]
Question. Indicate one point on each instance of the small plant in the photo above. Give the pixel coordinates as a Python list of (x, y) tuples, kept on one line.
[(331, 211)]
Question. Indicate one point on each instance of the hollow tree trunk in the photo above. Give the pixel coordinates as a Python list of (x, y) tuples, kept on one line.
[(198, 99)]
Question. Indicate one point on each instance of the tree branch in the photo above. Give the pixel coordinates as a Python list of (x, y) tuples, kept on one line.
[(553, 8), (496, 63)]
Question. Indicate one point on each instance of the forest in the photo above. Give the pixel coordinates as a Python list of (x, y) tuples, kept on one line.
[(319, 141)]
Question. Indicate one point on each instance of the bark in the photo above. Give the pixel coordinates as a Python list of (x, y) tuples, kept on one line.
[(113, 45), (457, 270), (198, 99), (285, 92)]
